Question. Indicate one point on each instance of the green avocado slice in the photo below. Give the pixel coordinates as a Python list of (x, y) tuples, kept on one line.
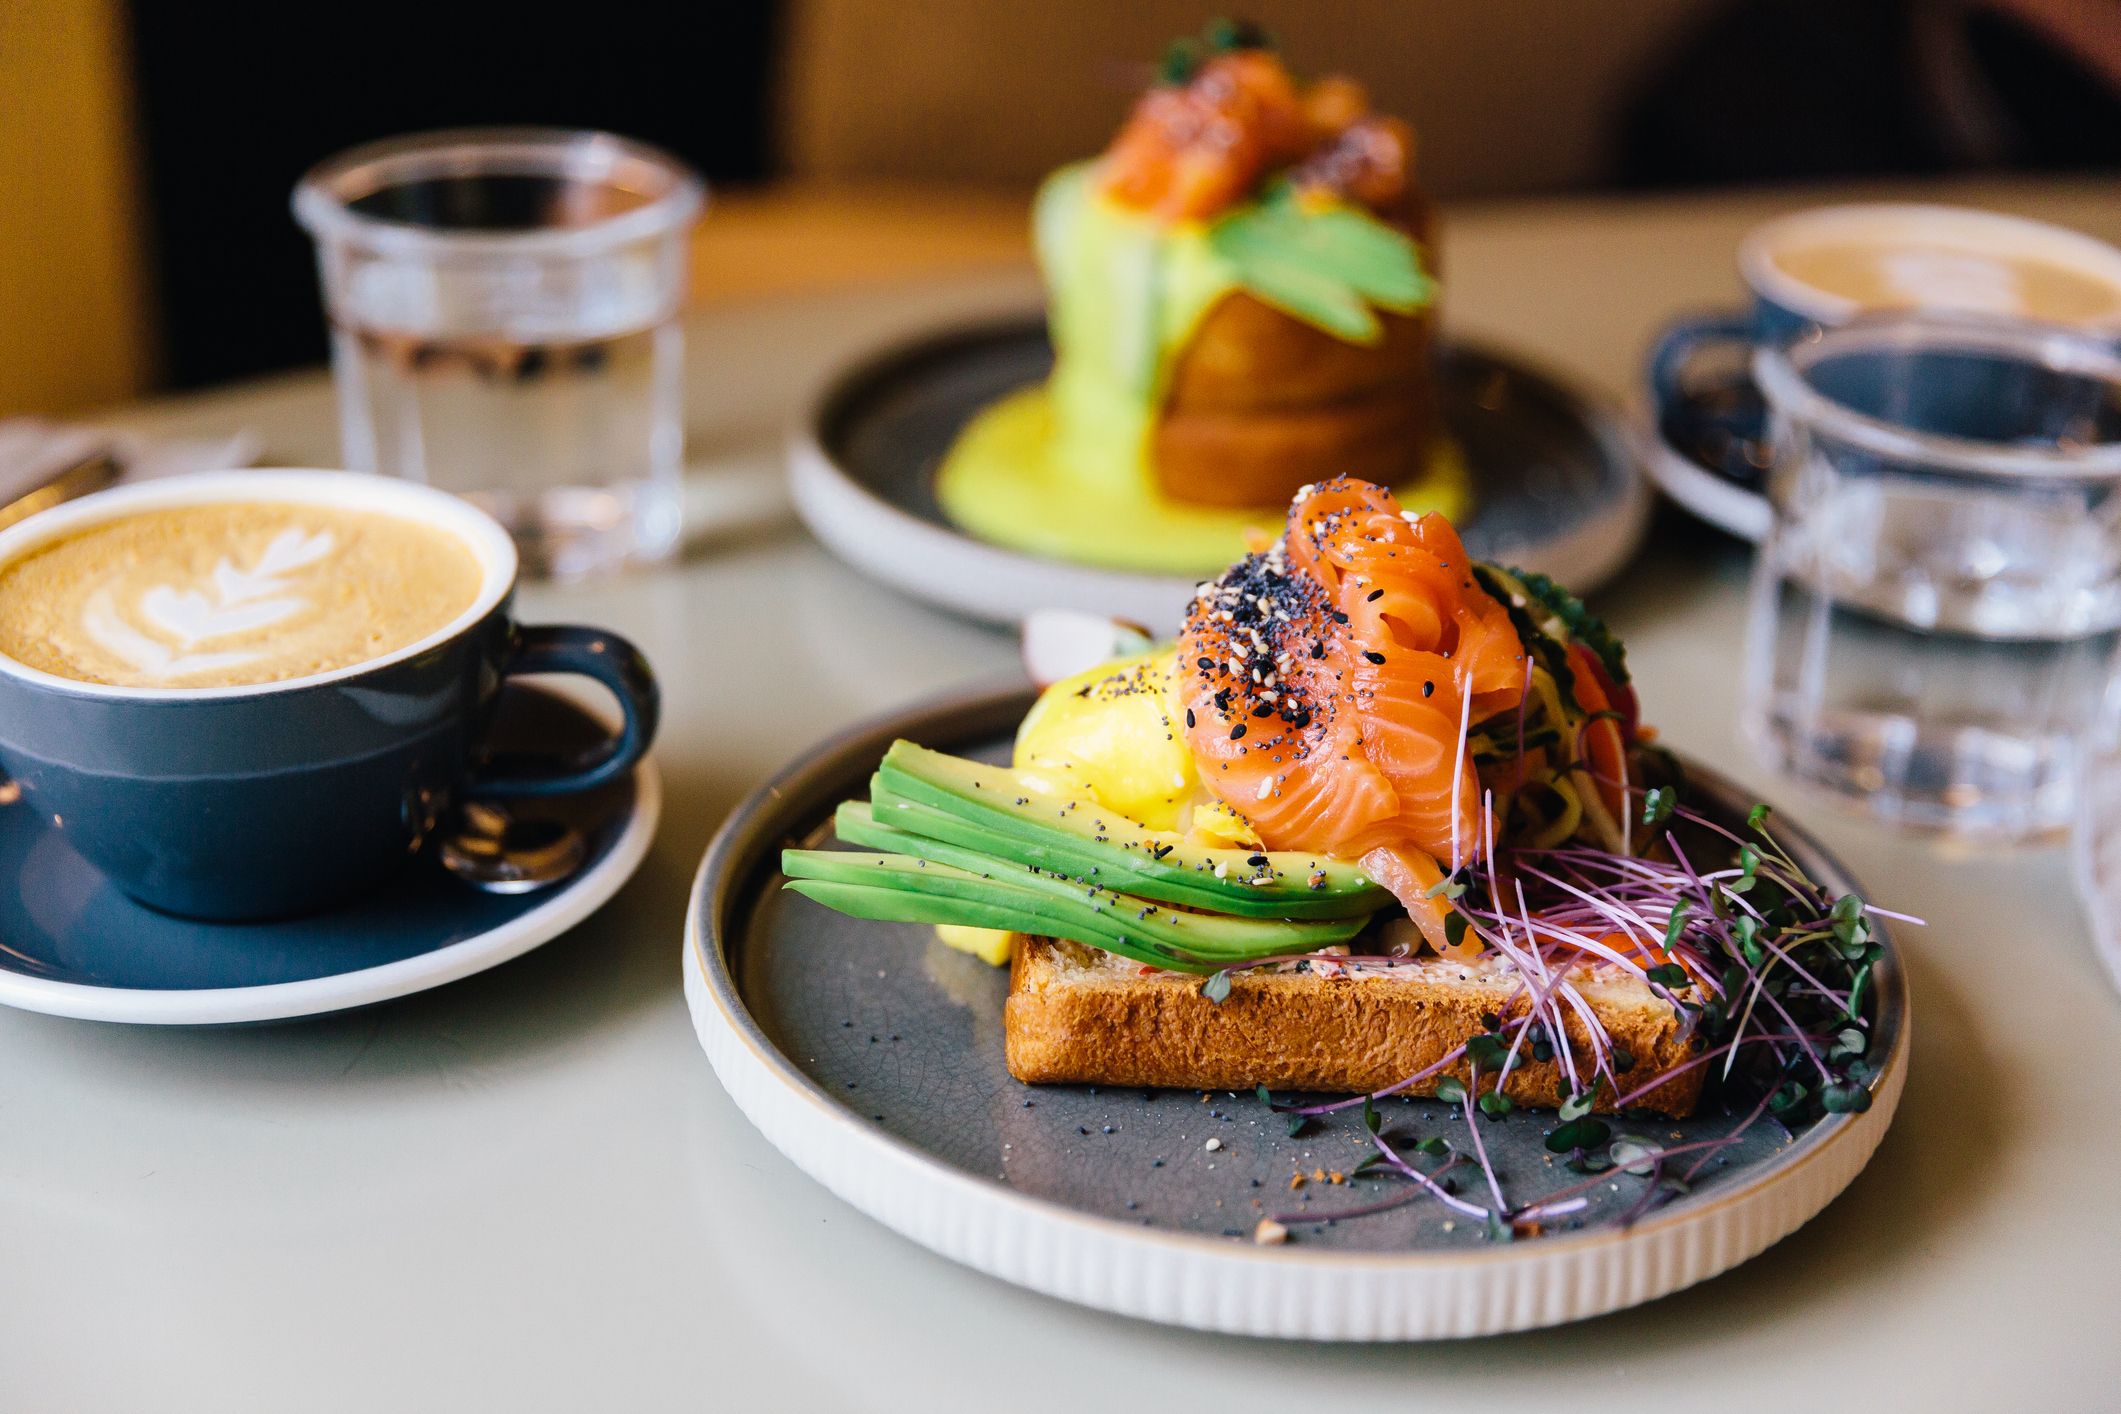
[(1201, 934), (988, 809), (997, 895)]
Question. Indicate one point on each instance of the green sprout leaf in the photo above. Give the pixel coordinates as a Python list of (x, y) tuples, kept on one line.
[(1494, 1104), (1669, 975), (1216, 987), (1451, 1090), (1631, 1153), (1487, 1051), (1225, 35), (1434, 1144), (1844, 1099), (1757, 817), (1746, 930), (1658, 802), (1578, 1105), (1371, 1120), (1180, 62), (1581, 1132)]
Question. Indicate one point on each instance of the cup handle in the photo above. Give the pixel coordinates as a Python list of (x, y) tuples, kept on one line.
[(1676, 346), (593, 653)]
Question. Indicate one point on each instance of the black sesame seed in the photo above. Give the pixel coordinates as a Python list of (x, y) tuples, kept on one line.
[(1373, 596), (1189, 716), (1373, 655), (1237, 732), (1428, 689)]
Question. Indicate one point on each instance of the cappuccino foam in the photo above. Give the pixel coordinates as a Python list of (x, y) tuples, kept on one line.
[(1948, 276), (231, 594)]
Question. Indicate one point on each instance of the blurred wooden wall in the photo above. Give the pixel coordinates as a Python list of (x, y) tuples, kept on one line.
[(75, 325), (1508, 95)]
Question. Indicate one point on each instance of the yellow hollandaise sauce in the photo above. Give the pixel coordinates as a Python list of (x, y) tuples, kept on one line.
[(1063, 470)]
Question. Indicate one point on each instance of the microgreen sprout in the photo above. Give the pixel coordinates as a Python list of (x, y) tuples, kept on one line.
[(1767, 972)]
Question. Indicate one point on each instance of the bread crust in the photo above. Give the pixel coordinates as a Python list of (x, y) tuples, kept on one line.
[(1261, 459), (1074, 1018), (1260, 403)]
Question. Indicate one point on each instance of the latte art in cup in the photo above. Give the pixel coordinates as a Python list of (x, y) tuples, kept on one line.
[(1938, 276), (231, 594)]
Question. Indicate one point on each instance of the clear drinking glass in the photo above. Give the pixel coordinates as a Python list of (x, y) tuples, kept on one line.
[(503, 307), (1936, 609)]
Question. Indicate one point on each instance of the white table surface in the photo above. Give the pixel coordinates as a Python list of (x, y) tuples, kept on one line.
[(526, 1192)]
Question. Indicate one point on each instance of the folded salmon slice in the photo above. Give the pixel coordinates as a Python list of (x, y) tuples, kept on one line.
[(1329, 682)]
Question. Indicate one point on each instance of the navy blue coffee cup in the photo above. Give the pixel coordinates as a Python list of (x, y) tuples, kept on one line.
[(1950, 258), (282, 798)]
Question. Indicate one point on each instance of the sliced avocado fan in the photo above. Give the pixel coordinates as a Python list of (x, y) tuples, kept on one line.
[(958, 842)]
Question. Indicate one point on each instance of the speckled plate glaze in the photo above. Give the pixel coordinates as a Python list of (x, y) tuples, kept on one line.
[(72, 945), (872, 1057), (1555, 480)]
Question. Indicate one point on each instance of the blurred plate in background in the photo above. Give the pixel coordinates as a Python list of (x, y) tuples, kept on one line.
[(1555, 484)]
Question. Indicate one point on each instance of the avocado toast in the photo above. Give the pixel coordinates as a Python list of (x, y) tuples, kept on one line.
[(1382, 821)]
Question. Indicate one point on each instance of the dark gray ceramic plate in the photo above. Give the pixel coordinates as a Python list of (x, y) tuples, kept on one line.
[(903, 1037), (1555, 485)]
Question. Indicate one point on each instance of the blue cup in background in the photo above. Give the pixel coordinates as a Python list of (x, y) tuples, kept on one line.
[(1944, 260), (282, 798)]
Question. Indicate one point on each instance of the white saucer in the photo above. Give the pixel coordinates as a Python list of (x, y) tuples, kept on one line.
[(1716, 499)]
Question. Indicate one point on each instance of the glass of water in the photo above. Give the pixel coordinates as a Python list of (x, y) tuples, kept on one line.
[(1936, 609), (503, 307)]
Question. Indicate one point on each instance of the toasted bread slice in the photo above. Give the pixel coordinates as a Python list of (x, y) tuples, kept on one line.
[(1081, 1015)]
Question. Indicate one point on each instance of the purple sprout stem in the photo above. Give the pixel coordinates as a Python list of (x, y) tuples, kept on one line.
[(1425, 1187), (1711, 1146), (1480, 1149), (1394, 1088)]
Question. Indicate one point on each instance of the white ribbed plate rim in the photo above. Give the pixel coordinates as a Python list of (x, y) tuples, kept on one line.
[(1214, 1283)]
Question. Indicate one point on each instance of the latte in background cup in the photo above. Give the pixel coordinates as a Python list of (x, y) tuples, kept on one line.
[(1827, 267), (252, 694), (1830, 265)]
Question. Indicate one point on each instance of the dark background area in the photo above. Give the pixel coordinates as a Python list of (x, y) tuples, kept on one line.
[(235, 102), (234, 107)]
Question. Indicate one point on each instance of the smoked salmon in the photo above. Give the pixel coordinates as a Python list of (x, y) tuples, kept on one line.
[(1330, 682)]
